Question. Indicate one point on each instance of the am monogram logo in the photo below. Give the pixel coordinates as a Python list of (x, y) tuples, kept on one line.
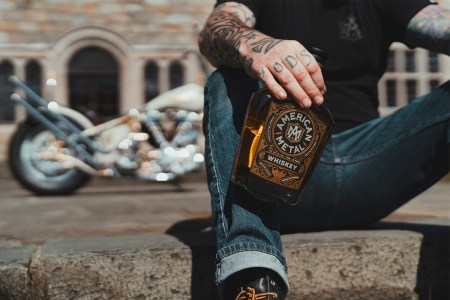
[(294, 133)]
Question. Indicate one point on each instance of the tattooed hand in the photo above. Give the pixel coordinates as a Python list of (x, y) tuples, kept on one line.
[(284, 66)]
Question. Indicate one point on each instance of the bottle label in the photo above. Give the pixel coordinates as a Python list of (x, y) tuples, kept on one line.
[(286, 147)]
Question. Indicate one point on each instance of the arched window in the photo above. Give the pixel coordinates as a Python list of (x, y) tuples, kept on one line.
[(6, 89), (176, 74), (33, 76), (93, 81), (151, 74)]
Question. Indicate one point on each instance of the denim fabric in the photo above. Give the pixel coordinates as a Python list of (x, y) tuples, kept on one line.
[(364, 174), (242, 222), (369, 171)]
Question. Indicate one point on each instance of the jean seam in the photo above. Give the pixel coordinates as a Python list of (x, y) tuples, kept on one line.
[(411, 132), (337, 182), (399, 140), (214, 170)]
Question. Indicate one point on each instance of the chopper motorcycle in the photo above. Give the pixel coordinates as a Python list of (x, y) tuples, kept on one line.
[(56, 149)]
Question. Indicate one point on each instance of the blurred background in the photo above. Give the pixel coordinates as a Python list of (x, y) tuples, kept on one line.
[(102, 55), (108, 56)]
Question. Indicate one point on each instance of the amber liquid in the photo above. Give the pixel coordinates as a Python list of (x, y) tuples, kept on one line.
[(250, 139), (250, 135)]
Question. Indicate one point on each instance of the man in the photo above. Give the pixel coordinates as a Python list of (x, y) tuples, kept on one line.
[(371, 165)]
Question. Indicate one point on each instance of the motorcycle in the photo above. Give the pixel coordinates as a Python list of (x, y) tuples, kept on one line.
[(56, 149)]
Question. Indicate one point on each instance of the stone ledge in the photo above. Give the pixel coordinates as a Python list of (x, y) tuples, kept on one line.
[(15, 282), (376, 264)]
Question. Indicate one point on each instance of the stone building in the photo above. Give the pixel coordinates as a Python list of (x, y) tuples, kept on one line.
[(112, 55), (105, 55)]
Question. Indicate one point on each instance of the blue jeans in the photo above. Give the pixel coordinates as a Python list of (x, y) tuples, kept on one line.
[(364, 174)]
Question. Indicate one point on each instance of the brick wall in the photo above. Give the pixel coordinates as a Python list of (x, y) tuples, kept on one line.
[(163, 22)]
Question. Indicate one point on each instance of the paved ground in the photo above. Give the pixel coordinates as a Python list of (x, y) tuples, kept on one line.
[(103, 208), (109, 207), (65, 245)]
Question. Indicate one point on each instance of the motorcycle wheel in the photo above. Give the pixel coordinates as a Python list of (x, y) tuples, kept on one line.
[(43, 177)]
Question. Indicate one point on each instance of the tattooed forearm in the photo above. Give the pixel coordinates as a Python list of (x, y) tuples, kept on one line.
[(225, 32), (430, 29), (221, 41), (239, 11)]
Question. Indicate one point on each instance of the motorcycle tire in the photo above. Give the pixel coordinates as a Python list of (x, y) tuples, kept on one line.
[(45, 178)]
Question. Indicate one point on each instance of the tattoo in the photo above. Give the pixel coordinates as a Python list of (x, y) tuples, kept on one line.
[(225, 33), (249, 37), (430, 29), (229, 28), (265, 45), (292, 62), (306, 56), (248, 62), (277, 67), (262, 73), (223, 39), (240, 12)]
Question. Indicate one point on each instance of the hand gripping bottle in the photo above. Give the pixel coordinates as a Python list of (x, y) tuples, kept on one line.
[(281, 143)]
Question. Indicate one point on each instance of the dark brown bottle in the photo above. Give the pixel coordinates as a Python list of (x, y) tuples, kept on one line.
[(281, 143)]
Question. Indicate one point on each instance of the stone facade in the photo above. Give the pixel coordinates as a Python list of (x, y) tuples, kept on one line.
[(51, 32), (152, 43), (48, 34)]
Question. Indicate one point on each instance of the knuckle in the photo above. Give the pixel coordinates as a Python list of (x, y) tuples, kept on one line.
[(285, 80), (271, 85), (313, 68), (257, 69), (311, 91), (294, 43), (322, 87), (301, 74)]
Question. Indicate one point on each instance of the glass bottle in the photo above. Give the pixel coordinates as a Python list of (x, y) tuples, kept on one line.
[(281, 143)]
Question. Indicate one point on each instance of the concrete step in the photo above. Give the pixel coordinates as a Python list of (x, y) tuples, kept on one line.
[(366, 264)]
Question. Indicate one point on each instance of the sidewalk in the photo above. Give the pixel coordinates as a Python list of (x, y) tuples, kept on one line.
[(131, 240)]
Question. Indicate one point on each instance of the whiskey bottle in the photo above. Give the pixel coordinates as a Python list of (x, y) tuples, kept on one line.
[(280, 145)]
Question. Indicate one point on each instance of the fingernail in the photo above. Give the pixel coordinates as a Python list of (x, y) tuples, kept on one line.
[(281, 95), (306, 103), (318, 100)]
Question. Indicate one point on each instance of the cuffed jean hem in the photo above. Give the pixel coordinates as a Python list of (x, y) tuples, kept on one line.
[(249, 259)]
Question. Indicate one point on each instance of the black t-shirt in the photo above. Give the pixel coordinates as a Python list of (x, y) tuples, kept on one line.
[(355, 33)]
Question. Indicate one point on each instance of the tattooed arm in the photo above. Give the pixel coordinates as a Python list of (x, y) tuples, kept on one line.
[(284, 66), (430, 29)]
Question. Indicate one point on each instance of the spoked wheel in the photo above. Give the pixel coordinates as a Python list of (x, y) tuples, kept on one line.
[(39, 174)]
